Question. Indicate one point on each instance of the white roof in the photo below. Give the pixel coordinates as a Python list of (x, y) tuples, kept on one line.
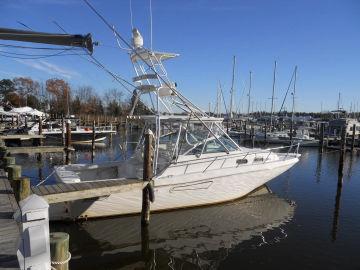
[(27, 110)]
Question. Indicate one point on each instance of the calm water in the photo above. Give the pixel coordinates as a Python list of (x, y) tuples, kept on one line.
[(308, 222)]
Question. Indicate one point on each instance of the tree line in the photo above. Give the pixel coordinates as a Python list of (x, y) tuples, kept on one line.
[(55, 96)]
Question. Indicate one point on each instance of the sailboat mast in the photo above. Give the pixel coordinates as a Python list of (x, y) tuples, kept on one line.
[(249, 97), (293, 105), (232, 89), (272, 97)]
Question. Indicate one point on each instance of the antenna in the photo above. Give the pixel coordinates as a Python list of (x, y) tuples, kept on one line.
[(151, 27), (131, 15), (232, 89), (272, 97)]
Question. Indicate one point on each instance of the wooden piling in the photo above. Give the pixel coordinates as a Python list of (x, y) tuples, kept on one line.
[(353, 137), (265, 133), (322, 133), (147, 176), (68, 142), (21, 187), (40, 130), (14, 173), (93, 142), (252, 136), (63, 131), (7, 161), (59, 250)]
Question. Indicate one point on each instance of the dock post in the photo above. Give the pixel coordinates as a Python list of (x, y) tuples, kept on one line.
[(21, 187), (252, 136), (265, 134), (322, 133), (63, 131), (59, 250), (147, 176), (353, 138), (7, 161), (40, 130), (14, 173), (68, 142), (93, 142)]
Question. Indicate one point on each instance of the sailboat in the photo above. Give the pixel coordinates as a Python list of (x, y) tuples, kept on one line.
[(195, 162)]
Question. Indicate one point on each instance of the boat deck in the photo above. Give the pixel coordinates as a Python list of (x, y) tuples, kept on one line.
[(63, 192), (9, 230)]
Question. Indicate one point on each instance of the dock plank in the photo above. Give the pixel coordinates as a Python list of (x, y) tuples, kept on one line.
[(9, 230), (76, 191)]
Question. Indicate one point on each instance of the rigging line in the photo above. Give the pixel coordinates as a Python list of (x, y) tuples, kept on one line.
[(35, 48), (222, 95), (23, 24), (34, 55), (178, 94), (40, 57), (287, 91), (100, 65)]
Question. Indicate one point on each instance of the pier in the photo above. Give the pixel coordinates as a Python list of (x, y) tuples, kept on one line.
[(9, 229)]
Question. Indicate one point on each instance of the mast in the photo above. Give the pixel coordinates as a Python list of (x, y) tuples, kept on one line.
[(272, 98), (338, 103), (293, 105), (249, 97), (232, 89)]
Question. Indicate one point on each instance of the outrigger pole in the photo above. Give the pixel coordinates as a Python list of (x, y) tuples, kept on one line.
[(84, 41)]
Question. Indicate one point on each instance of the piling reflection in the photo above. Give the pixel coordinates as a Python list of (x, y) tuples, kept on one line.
[(335, 223), (198, 238)]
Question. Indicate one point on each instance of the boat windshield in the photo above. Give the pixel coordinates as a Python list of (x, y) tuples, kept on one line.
[(212, 146)]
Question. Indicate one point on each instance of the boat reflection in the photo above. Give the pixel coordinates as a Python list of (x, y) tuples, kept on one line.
[(191, 238)]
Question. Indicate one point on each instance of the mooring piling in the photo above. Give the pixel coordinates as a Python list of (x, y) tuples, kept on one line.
[(68, 141), (353, 137), (59, 250), (147, 176)]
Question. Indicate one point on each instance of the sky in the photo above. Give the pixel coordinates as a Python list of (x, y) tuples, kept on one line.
[(321, 37)]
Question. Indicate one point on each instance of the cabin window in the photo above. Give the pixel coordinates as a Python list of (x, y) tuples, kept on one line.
[(241, 161), (258, 159)]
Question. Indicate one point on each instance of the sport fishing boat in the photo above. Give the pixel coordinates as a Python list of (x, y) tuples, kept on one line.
[(194, 161), (54, 131)]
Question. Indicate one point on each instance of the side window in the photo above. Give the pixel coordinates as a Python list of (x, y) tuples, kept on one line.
[(241, 161), (258, 159)]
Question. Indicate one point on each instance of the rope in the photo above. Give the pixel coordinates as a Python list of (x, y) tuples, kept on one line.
[(62, 262), (47, 177)]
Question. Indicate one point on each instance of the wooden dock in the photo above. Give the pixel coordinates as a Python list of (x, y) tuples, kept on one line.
[(21, 137), (84, 190), (9, 230), (35, 149)]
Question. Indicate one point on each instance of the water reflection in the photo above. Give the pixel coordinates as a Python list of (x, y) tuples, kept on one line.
[(198, 238), (338, 198)]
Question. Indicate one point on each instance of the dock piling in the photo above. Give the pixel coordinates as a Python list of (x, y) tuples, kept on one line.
[(93, 142), (7, 161), (68, 142), (353, 137), (14, 173), (322, 133), (147, 176), (59, 250), (21, 187)]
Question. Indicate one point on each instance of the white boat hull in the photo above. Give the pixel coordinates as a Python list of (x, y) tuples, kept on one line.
[(181, 191)]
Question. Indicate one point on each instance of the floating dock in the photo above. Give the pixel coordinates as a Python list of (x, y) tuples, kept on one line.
[(9, 230)]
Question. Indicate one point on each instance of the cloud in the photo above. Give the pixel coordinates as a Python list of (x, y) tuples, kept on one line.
[(49, 68)]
